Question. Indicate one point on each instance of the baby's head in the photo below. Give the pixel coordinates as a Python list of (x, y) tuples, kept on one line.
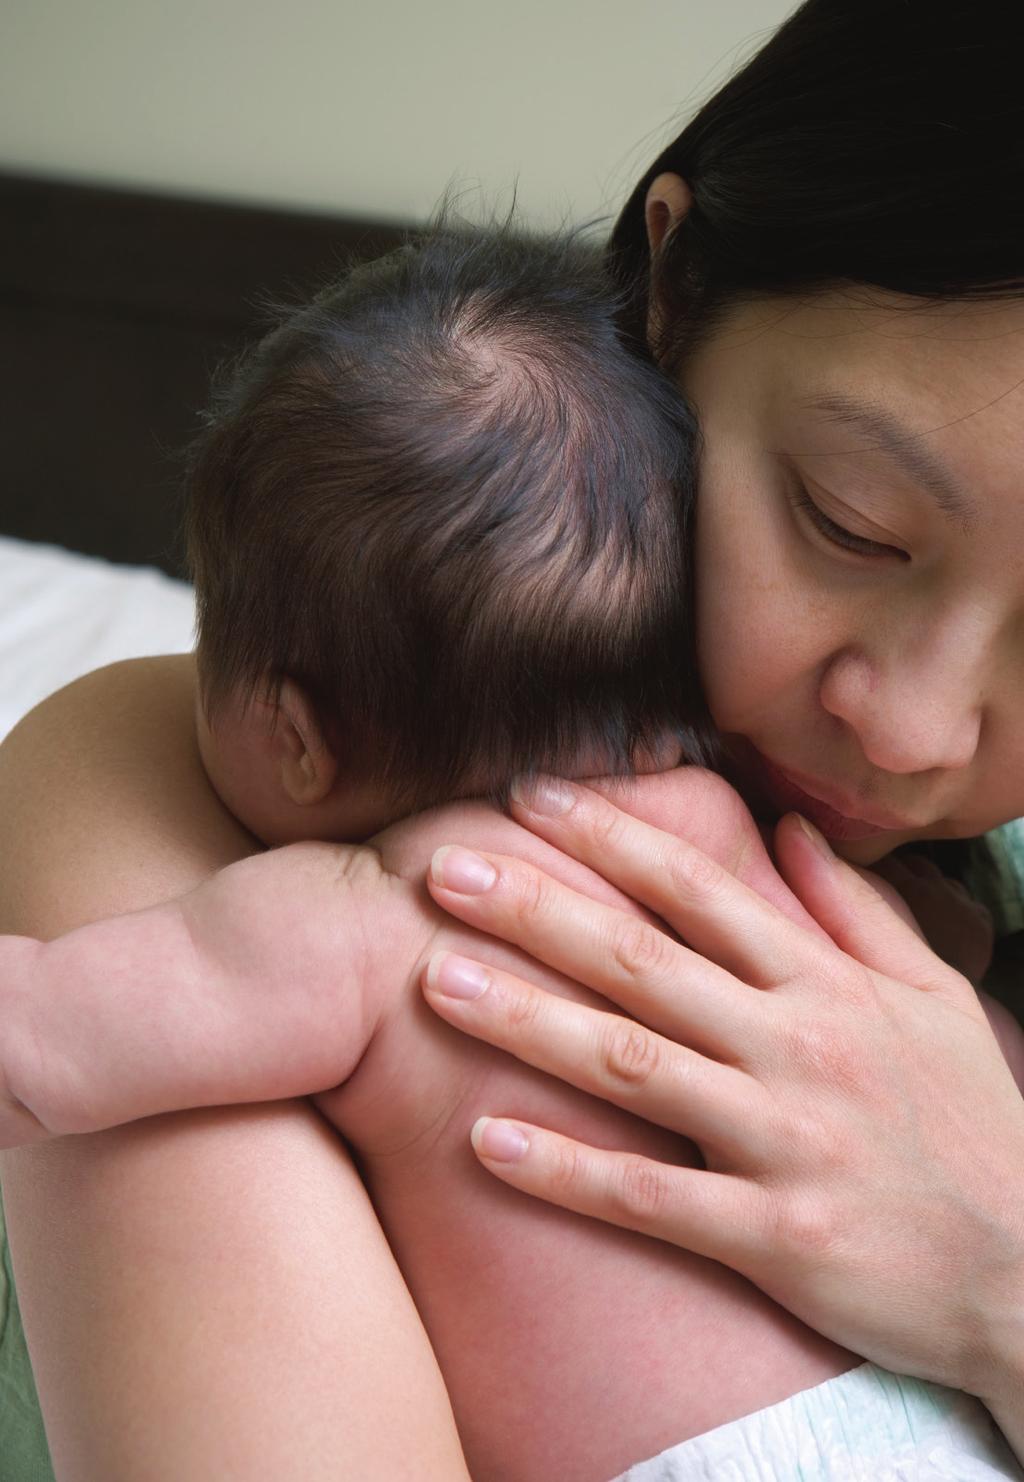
[(438, 523)]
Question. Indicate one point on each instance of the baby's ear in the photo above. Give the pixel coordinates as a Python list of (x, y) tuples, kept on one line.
[(306, 766)]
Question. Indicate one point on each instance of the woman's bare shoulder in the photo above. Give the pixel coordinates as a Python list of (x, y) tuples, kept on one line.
[(104, 804)]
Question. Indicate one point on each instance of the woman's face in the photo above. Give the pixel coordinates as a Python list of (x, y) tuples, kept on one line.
[(875, 650)]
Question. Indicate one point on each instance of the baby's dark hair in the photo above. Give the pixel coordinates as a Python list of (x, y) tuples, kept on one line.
[(452, 500)]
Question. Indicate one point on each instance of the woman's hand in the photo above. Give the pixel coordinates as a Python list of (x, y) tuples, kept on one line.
[(862, 1133)]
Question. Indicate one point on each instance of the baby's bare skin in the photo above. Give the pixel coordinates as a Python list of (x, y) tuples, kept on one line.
[(570, 1348)]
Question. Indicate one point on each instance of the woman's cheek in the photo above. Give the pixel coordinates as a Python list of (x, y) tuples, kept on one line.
[(750, 637)]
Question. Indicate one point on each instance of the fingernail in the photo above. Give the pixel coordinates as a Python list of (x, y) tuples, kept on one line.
[(543, 794), (457, 977), (462, 870), (817, 839), (499, 1141)]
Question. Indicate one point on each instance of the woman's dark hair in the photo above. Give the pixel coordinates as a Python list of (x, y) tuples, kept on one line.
[(450, 500), (869, 142)]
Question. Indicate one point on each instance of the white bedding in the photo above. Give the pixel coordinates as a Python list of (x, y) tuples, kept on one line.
[(62, 614)]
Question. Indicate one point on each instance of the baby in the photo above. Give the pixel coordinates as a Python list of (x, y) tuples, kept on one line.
[(438, 524), (437, 528)]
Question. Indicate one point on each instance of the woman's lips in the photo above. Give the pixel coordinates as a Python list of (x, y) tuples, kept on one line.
[(786, 794)]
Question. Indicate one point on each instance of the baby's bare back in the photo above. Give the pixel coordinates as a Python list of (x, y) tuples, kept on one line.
[(570, 1348)]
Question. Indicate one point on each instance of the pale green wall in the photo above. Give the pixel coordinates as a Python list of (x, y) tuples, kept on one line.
[(368, 108)]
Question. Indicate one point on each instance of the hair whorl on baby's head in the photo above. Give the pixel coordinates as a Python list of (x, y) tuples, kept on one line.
[(451, 500)]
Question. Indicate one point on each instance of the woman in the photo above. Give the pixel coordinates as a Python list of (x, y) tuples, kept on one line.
[(825, 296)]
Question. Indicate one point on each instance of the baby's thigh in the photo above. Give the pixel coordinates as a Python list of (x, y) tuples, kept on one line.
[(224, 1266), (643, 1344), (570, 1347)]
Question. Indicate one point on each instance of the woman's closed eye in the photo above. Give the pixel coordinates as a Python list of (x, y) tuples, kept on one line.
[(836, 534)]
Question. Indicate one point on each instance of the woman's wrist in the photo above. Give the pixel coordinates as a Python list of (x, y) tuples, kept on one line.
[(1007, 1405), (999, 1382)]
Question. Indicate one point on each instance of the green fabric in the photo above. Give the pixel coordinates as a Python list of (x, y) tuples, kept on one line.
[(24, 1454), (995, 876)]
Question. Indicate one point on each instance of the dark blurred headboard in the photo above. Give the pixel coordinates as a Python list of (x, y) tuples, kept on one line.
[(115, 306)]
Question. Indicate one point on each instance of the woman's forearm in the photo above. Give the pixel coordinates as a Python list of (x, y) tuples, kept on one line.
[(1008, 1413), (1002, 1391)]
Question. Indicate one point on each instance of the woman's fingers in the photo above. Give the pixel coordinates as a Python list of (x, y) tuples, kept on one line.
[(615, 953), (716, 1215), (719, 916), (604, 1054)]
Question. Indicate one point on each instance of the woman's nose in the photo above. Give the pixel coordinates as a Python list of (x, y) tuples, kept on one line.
[(907, 717)]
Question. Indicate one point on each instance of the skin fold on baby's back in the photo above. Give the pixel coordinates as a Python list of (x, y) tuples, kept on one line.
[(570, 1348)]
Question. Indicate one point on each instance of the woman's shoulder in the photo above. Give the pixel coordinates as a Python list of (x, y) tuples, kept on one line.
[(104, 805)]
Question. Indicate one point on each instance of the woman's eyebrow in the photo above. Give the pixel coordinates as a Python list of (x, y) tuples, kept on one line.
[(906, 448)]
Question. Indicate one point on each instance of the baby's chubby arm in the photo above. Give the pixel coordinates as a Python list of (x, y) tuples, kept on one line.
[(268, 979), (252, 987)]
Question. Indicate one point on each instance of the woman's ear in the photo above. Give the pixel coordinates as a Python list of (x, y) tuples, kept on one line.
[(306, 768), (669, 198)]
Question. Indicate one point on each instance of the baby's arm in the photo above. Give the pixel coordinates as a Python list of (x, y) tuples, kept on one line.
[(233, 993)]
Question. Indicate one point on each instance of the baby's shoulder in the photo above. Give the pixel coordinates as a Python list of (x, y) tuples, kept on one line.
[(128, 720), (134, 692), (104, 805)]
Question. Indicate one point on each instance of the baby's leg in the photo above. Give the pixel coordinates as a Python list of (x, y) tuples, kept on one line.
[(204, 1295), (217, 1299)]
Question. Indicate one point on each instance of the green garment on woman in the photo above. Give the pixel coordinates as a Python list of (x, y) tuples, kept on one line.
[(24, 1454)]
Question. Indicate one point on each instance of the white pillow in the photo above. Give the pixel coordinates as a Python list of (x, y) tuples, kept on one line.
[(62, 614)]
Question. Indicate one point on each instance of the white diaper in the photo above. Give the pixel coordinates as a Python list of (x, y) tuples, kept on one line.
[(867, 1425)]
